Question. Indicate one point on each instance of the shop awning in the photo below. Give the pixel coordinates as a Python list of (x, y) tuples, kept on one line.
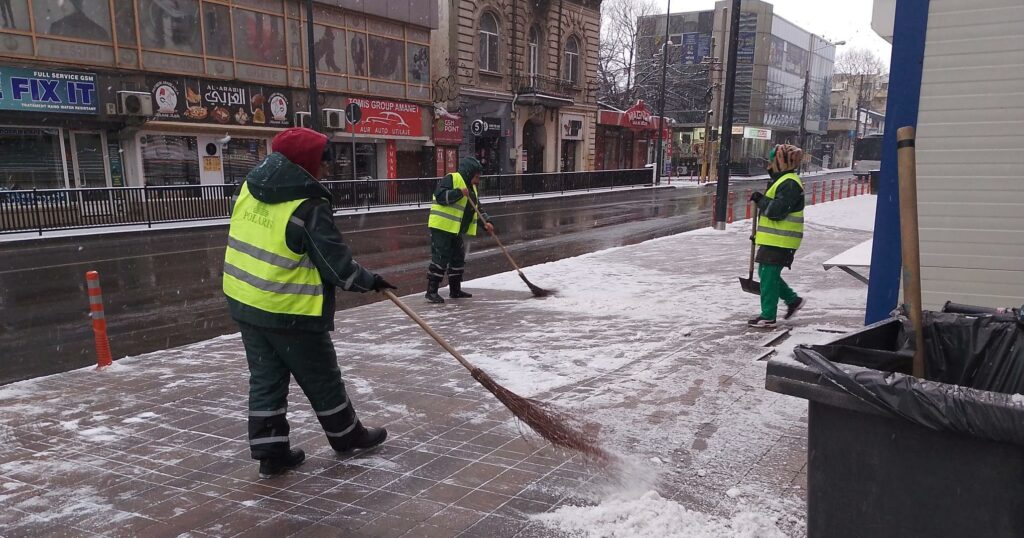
[(637, 118)]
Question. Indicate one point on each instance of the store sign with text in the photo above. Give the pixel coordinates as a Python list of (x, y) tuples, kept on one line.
[(388, 118), (41, 90), (448, 130), (572, 127), (203, 101), (638, 116), (757, 134)]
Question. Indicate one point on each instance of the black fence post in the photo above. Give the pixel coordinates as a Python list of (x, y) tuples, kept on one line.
[(145, 205), (35, 210), (368, 204)]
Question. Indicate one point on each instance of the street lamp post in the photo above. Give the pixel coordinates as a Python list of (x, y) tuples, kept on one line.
[(314, 106), (658, 158)]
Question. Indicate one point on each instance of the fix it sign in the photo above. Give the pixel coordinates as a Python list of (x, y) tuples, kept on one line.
[(37, 90)]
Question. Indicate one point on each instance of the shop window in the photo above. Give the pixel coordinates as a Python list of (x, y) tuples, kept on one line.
[(74, 19), (357, 53), (170, 25), (572, 60), (14, 15), (387, 58), (124, 21), (89, 161), (488, 152), (259, 37), (366, 162), (241, 155), (170, 160), (30, 159), (329, 48), (217, 27), (489, 56), (569, 155)]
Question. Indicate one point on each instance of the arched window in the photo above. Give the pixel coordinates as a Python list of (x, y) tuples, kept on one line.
[(572, 60), (533, 52), (489, 44)]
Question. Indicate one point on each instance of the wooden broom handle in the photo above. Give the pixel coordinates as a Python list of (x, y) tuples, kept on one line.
[(910, 240), (423, 324), (753, 243), (495, 236)]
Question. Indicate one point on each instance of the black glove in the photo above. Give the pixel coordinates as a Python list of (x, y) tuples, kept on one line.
[(379, 284), (756, 197)]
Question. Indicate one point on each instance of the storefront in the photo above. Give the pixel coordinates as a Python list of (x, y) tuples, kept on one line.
[(488, 143), (750, 148), (390, 141), (447, 138), (207, 132), (53, 135), (626, 140), (571, 133)]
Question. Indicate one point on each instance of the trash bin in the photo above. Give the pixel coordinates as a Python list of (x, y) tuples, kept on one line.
[(890, 455)]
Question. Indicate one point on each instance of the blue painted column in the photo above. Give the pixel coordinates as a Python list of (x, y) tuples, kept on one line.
[(909, 30)]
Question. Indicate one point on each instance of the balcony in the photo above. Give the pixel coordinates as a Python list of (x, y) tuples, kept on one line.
[(542, 90)]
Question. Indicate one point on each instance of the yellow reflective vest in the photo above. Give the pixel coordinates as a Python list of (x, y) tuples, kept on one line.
[(449, 217), (785, 233), (259, 268)]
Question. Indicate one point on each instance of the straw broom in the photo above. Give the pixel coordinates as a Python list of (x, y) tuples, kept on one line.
[(536, 290), (554, 426)]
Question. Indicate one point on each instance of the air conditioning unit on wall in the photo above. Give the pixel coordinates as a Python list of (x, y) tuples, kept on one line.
[(134, 103), (302, 119), (334, 118)]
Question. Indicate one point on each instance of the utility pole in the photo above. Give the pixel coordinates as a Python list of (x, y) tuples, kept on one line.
[(803, 111), (314, 105), (658, 159), (725, 146), (714, 65)]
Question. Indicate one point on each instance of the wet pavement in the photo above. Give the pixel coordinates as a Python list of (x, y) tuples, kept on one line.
[(162, 287), (646, 341)]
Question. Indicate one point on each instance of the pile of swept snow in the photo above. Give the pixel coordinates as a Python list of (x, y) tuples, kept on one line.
[(652, 515)]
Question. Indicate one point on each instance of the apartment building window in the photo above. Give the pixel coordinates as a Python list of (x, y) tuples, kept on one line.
[(489, 44), (533, 52), (833, 112), (572, 60)]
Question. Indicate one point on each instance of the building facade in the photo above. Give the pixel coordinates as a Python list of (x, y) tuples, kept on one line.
[(191, 92), (783, 74), (518, 76), (857, 110)]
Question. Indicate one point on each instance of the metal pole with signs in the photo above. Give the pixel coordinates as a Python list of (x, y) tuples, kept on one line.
[(352, 115), (725, 144)]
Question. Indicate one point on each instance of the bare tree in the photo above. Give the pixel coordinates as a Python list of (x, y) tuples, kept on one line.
[(617, 55), (864, 67)]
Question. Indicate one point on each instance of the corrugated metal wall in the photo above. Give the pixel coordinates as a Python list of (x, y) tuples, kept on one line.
[(970, 153)]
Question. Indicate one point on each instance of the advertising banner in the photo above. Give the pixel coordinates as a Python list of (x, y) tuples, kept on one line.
[(388, 118), (448, 130), (42, 90), (203, 101)]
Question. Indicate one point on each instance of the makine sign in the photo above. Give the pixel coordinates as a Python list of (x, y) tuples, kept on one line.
[(38, 90)]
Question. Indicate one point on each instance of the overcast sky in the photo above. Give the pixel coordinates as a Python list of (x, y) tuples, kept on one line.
[(842, 20)]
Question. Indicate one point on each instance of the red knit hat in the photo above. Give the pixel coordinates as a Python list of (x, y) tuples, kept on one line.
[(304, 147)]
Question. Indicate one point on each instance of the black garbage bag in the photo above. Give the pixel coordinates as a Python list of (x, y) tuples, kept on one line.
[(974, 366)]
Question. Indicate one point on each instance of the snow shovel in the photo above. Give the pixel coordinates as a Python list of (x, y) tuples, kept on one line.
[(748, 284)]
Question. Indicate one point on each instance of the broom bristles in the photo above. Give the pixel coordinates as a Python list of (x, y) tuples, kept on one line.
[(554, 426), (536, 290)]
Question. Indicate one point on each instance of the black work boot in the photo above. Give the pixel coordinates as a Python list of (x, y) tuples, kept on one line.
[(794, 307), (455, 288), (432, 296), (361, 438), (273, 466)]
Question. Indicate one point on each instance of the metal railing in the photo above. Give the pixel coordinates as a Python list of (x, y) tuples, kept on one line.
[(544, 85), (39, 210)]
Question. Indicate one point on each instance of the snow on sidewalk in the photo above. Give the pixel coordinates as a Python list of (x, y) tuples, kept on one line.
[(647, 341)]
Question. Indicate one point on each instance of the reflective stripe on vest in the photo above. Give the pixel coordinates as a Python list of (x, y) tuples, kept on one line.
[(449, 217), (259, 268), (785, 233)]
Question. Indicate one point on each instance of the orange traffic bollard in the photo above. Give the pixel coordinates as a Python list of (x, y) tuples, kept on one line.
[(728, 214), (814, 193), (99, 321), (833, 190), (849, 187), (749, 194)]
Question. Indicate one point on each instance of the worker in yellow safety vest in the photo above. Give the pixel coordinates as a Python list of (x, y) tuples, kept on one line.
[(780, 228), (284, 260), (452, 217)]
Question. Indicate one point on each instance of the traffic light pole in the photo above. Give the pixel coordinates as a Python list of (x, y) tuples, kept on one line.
[(725, 146), (660, 156)]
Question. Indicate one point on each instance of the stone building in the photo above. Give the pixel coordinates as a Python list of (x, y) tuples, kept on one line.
[(518, 77)]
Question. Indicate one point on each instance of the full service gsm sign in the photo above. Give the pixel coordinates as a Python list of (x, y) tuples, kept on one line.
[(36, 90)]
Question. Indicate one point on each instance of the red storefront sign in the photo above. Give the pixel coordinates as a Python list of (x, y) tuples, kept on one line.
[(638, 116), (448, 130), (392, 157), (388, 118)]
